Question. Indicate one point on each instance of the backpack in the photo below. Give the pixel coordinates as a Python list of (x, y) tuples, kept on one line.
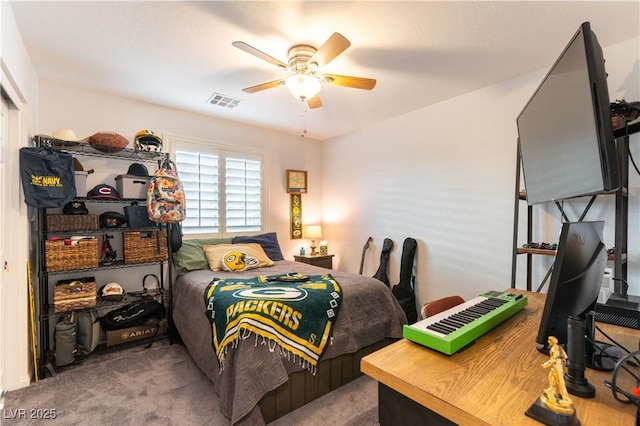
[(88, 331), (404, 290), (165, 195)]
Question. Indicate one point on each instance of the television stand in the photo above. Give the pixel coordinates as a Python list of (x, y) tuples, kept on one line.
[(603, 356), (600, 356), (583, 352), (575, 380)]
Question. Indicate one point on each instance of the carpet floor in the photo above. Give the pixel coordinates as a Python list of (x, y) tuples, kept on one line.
[(161, 385)]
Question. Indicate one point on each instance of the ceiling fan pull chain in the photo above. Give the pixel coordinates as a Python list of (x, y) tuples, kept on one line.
[(303, 122)]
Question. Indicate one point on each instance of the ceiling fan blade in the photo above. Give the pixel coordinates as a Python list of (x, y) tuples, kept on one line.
[(263, 86), (314, 102), (335, 45), (343, 80), (259, 54)]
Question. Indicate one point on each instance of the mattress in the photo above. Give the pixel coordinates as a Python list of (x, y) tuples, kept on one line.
[(369, 314)]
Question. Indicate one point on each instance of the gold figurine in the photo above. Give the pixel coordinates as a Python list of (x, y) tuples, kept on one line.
[(554, 407), (556, 396)]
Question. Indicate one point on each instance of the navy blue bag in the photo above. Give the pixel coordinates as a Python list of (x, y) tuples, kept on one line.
[(47, 177)]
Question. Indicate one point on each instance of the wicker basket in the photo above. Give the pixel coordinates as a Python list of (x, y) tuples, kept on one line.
[(74, 294), (62, 257), (72, 222), (140, 247)]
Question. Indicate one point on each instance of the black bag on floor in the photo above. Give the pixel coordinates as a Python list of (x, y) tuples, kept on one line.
[(133, 314), (47, 177), (404, 290)]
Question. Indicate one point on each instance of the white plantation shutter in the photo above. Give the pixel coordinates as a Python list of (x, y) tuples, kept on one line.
[(223, 190), (199, 175), (243, 195)]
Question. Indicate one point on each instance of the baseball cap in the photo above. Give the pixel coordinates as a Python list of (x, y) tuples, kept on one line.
[(75, 207), (137, 169), (112, 220), (104, 191), (112, 292), (67, 135)]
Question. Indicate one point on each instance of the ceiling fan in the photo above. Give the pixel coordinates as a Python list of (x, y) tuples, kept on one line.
[(304, 62)]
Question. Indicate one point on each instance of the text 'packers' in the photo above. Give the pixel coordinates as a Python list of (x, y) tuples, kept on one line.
[(276, 310)]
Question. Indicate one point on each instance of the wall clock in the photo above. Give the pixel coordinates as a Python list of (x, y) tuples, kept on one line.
[(297, 181)]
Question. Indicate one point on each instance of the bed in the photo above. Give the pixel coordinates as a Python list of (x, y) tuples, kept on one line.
[(258, 385)]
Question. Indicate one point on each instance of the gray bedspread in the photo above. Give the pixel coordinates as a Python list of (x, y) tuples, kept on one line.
[(369, 314)]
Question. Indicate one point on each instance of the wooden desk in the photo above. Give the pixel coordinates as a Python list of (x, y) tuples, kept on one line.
[(493, 381)]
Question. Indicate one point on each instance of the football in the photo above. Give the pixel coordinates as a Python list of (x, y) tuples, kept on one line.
[(108, 142)]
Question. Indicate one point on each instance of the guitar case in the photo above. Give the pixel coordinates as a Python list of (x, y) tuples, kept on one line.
[(404, 290), (381, 273)]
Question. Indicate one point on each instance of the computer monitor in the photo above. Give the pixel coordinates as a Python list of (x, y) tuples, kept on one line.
[(566, 141), (577, 273)]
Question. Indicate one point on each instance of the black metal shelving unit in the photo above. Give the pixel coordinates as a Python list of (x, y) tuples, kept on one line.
[(45, 314)]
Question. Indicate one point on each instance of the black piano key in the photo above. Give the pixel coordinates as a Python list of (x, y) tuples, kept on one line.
[(471, 313), (459, 321), (462, 317), (478, 310), (451, 323), (450, 327), (489, 306), (441, 328)]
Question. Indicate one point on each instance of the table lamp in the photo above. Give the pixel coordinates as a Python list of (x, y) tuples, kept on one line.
[(314, 232)]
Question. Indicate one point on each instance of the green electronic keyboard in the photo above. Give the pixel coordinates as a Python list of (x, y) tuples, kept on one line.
[(455, 328)]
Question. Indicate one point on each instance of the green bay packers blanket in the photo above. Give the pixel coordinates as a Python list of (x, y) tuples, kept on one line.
[(295, 312)]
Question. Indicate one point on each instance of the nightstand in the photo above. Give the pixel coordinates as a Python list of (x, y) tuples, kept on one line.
[(323, 261)]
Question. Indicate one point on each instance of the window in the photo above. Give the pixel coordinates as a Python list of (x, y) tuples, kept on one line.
[(223, 189)]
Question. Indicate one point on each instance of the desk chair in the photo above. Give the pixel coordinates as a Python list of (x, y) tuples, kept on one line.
[(440, 305)]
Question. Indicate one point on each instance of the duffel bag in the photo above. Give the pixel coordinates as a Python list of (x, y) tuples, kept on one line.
[(133, 314)]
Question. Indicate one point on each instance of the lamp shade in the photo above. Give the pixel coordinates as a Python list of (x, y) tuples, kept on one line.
[(313, 231), (303, 86)]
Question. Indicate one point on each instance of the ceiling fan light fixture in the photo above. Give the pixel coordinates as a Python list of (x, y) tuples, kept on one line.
[(303, 86)]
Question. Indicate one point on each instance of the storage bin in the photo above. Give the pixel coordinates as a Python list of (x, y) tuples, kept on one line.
[(81, 183), (149, 246), (131, 334), (64, 254), (72, 222), (130, 186), (72, 294)]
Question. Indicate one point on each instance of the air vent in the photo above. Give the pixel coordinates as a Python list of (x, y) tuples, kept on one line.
[(223, 101)]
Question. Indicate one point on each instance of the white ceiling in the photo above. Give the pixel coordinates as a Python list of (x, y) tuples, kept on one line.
[(179, 53)]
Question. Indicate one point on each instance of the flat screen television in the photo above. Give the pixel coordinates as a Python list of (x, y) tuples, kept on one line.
[(566, 141)]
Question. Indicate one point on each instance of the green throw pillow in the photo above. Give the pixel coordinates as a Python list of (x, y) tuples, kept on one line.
[(191, 256)]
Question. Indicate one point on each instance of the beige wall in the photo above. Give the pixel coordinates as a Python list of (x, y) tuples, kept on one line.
[(445, 175), (87, 112)]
